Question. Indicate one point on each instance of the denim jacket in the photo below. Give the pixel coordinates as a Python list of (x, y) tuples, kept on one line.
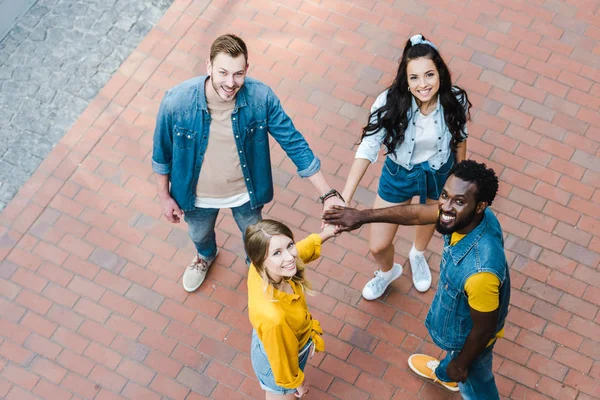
[(370, 145), (182, 130), (482, 250)]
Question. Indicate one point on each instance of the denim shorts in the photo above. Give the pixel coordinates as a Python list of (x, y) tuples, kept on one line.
[(397, 184), (262, 368)]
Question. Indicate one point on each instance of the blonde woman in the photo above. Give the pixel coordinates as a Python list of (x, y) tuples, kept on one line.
[(284, 333)]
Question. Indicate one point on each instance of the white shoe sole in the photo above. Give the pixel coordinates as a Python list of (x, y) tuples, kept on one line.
[(386, 286), (420, 286), (422, 375)]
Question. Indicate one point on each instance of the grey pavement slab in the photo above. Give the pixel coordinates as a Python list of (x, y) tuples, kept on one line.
[(10, 11), (53, 62)]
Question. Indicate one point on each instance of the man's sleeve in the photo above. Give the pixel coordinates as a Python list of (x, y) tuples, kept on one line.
[(282, 129), (483, 291), (162, 150)]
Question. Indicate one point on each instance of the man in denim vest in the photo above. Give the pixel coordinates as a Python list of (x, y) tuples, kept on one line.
[(211, 151), (471, 303)]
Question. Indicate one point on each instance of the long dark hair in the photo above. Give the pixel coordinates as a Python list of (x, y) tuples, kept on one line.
[(394, 115)]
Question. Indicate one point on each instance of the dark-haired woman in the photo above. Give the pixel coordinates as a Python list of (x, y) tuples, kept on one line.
[(421, 119)]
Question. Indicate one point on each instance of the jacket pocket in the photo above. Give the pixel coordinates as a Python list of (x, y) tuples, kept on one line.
[(257, 131), (448, 297), (183, 138)]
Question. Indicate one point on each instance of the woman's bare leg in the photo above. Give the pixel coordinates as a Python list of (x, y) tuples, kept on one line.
[(382, 238), (273, 396)]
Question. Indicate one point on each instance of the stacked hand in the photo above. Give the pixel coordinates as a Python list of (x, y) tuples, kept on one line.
[(327, 205), (344, 218)]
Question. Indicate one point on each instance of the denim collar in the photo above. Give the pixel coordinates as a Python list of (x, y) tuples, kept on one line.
[(462, 248), (415, 110), (415, 107), (240, 98)]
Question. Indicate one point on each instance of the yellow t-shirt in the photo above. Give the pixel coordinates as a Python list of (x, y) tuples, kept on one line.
[(483, 289), (282, 320)]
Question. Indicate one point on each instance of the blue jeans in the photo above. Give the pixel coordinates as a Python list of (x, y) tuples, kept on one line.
[(480, 383), (201, 226)]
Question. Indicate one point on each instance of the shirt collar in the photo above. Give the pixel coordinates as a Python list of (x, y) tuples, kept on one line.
[(415, 108), (287, 297), (460, 249)]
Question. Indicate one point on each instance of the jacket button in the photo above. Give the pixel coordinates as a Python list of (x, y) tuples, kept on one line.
[(244, 165), (240, 151), (439, 138), (260, 127), (189, 136)]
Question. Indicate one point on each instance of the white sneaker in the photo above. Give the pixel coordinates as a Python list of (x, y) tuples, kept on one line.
[(421, 275), (195, 273), (376, 286)]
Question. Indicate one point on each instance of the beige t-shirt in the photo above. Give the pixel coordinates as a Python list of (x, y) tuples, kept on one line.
[(221, 174)]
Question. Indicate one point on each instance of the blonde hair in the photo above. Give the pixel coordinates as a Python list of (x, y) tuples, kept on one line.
[(257, 241), (229, 44)]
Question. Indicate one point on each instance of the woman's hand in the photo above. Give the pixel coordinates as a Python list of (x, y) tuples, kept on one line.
[(328, 232), (302, 389)]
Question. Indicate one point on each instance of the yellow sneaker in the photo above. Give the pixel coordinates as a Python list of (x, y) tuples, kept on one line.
[(424, 366)]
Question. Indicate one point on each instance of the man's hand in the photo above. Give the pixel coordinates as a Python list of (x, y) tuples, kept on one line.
[(344, 218), (171, 210), (455, 372)]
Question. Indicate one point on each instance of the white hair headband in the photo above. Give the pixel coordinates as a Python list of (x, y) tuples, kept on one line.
[(418, 39)]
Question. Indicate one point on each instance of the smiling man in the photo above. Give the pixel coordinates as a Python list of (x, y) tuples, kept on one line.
[(211, 151), (471, 303)]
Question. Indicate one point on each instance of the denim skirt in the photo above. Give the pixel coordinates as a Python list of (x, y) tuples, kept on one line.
[(262, 368), (397, 184)]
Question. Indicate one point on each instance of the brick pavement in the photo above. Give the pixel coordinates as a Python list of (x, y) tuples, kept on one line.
[(91, 305)]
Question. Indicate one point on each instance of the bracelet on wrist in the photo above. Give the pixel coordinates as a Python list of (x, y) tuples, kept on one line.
[(329, 194)]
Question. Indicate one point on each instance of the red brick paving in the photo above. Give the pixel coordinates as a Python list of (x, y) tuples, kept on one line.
[(91, 305)]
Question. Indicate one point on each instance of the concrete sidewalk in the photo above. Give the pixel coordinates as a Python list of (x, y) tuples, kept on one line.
[(91, 303)]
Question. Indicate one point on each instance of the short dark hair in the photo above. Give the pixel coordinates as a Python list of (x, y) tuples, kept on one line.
[(483, 177), (229, 44)]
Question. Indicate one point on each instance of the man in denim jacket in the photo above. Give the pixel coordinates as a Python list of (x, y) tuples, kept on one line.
[(469, 309), (211, 151)]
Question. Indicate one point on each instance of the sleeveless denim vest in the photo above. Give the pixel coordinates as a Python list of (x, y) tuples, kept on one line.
[(482, 250)]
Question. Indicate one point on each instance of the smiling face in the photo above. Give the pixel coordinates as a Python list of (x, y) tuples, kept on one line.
[(227, 75), (281, 258), (423, 79), (458, 207)]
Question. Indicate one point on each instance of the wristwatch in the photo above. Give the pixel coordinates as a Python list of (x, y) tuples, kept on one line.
[(329, 194)]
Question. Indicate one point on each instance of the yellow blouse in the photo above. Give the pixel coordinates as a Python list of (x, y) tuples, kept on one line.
[(282, 320)]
